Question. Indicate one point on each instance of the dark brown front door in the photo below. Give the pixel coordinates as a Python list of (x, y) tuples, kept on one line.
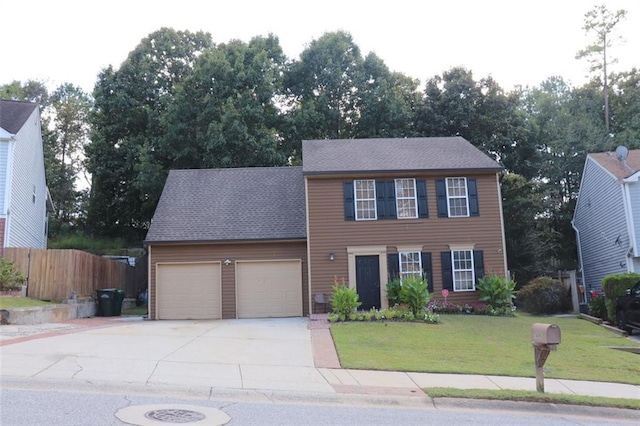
[(368, 281)]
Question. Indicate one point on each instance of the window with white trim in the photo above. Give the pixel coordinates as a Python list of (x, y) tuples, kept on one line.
[(463, 270), (457, 199), (410, 264), (365, 198), (406, 204)]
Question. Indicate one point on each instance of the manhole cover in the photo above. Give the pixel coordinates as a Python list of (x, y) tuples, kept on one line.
[(173, 415), (159, 414)]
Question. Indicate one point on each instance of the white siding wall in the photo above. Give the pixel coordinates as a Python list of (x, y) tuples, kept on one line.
[(600, 220), (4, 152), (634, 200), (26, 219)]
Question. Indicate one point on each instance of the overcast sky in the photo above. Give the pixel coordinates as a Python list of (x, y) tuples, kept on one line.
[(517, 42)]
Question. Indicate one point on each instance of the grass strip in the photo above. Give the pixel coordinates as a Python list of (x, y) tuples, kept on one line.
[(531, 396), (20, 302)]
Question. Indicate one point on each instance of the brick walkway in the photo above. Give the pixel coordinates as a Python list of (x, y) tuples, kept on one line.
[(324, 351)]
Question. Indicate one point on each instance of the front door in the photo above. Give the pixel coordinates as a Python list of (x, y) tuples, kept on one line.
[(368, 281)]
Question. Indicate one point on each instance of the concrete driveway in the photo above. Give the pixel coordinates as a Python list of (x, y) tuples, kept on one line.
[(240, 354)]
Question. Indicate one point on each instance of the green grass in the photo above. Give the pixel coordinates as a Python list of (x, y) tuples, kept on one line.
[(138, 310), (467, 344), (530, 396), (20, 302)]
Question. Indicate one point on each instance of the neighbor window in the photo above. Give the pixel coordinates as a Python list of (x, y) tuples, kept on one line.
[(457, 197), (406, 205), (33, 197), (410, 264), (365, 198), (463, 275)]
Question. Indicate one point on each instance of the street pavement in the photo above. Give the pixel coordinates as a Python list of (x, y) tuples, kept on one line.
[(282, 355)]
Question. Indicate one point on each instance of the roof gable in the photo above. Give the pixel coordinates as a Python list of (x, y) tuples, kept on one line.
[(258, 203), (13, 114), (393, 155), (620, 170)]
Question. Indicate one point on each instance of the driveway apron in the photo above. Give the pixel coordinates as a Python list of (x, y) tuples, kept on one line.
[(274, 353)]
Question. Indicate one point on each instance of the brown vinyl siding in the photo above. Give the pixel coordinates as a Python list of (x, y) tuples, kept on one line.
[(329, 232), (220, 252)]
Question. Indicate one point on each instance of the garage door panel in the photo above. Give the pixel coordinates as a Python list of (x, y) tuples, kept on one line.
[(269, 289), (188, 291)]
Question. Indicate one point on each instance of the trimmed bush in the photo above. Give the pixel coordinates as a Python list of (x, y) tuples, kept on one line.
[(544, 295), (597, 307), (10, 278), (614, 286)]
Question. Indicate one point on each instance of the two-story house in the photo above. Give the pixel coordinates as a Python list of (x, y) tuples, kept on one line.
[(260, 242), (607, 216), (24, 197)]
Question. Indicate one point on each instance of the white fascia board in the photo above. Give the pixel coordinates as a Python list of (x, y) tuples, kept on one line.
[(6, 136), (633, 178), (628, 214)]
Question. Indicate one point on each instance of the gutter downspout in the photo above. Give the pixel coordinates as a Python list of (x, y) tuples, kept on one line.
[(584, 283)]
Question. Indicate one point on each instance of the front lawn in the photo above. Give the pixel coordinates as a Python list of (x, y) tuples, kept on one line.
[(20, 302), (473, 344)]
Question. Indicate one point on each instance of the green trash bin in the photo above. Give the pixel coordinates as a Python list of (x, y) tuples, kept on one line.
[(107, 299), (120, 299)]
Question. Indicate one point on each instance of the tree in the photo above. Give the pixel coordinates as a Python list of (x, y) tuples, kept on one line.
[(226, 112), (71, 106), (387, 101), (323, 87), (601, 22), (127, 127), (625, 107)]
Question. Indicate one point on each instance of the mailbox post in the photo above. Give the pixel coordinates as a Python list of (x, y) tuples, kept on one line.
[(545, 338)]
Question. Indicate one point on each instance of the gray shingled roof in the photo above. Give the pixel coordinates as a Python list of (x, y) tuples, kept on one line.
[(393, 155), (13, 114), (261, 203)]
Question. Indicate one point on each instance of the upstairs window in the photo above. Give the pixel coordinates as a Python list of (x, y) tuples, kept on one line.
[(457, 197), (365, 198), (406, 205), (457, 201)]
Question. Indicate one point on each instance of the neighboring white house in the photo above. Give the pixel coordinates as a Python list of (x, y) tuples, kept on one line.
[(24, 198), (607, 216)]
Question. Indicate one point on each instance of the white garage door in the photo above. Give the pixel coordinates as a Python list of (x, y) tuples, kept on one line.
[(269, 289), (188, 291)]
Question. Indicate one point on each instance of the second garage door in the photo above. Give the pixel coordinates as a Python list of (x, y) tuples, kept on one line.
[(188, 290), (269, 288)]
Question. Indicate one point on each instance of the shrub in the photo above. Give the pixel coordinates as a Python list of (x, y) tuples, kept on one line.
[(497, 293), (544, 295), (344, 300), (396, 313), (10, 278), (393, 291), (614, 286), (597, 307), (415, 295)]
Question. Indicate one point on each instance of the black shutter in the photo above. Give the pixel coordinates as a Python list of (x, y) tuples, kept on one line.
[(349, 205), (390, 199), (441, 197), (421, 189), (427, 270), (393, 266), (381, 207), (386, 199), (472, 190), (478, 264), (447, 271)]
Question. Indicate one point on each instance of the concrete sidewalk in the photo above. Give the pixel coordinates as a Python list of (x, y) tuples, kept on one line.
[(186, 354)]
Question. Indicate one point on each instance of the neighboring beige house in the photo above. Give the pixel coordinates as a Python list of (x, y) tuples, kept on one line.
[(24, 198), (260, 242)]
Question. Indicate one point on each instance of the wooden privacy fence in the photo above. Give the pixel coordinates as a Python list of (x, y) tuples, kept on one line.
[(55, 274)]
